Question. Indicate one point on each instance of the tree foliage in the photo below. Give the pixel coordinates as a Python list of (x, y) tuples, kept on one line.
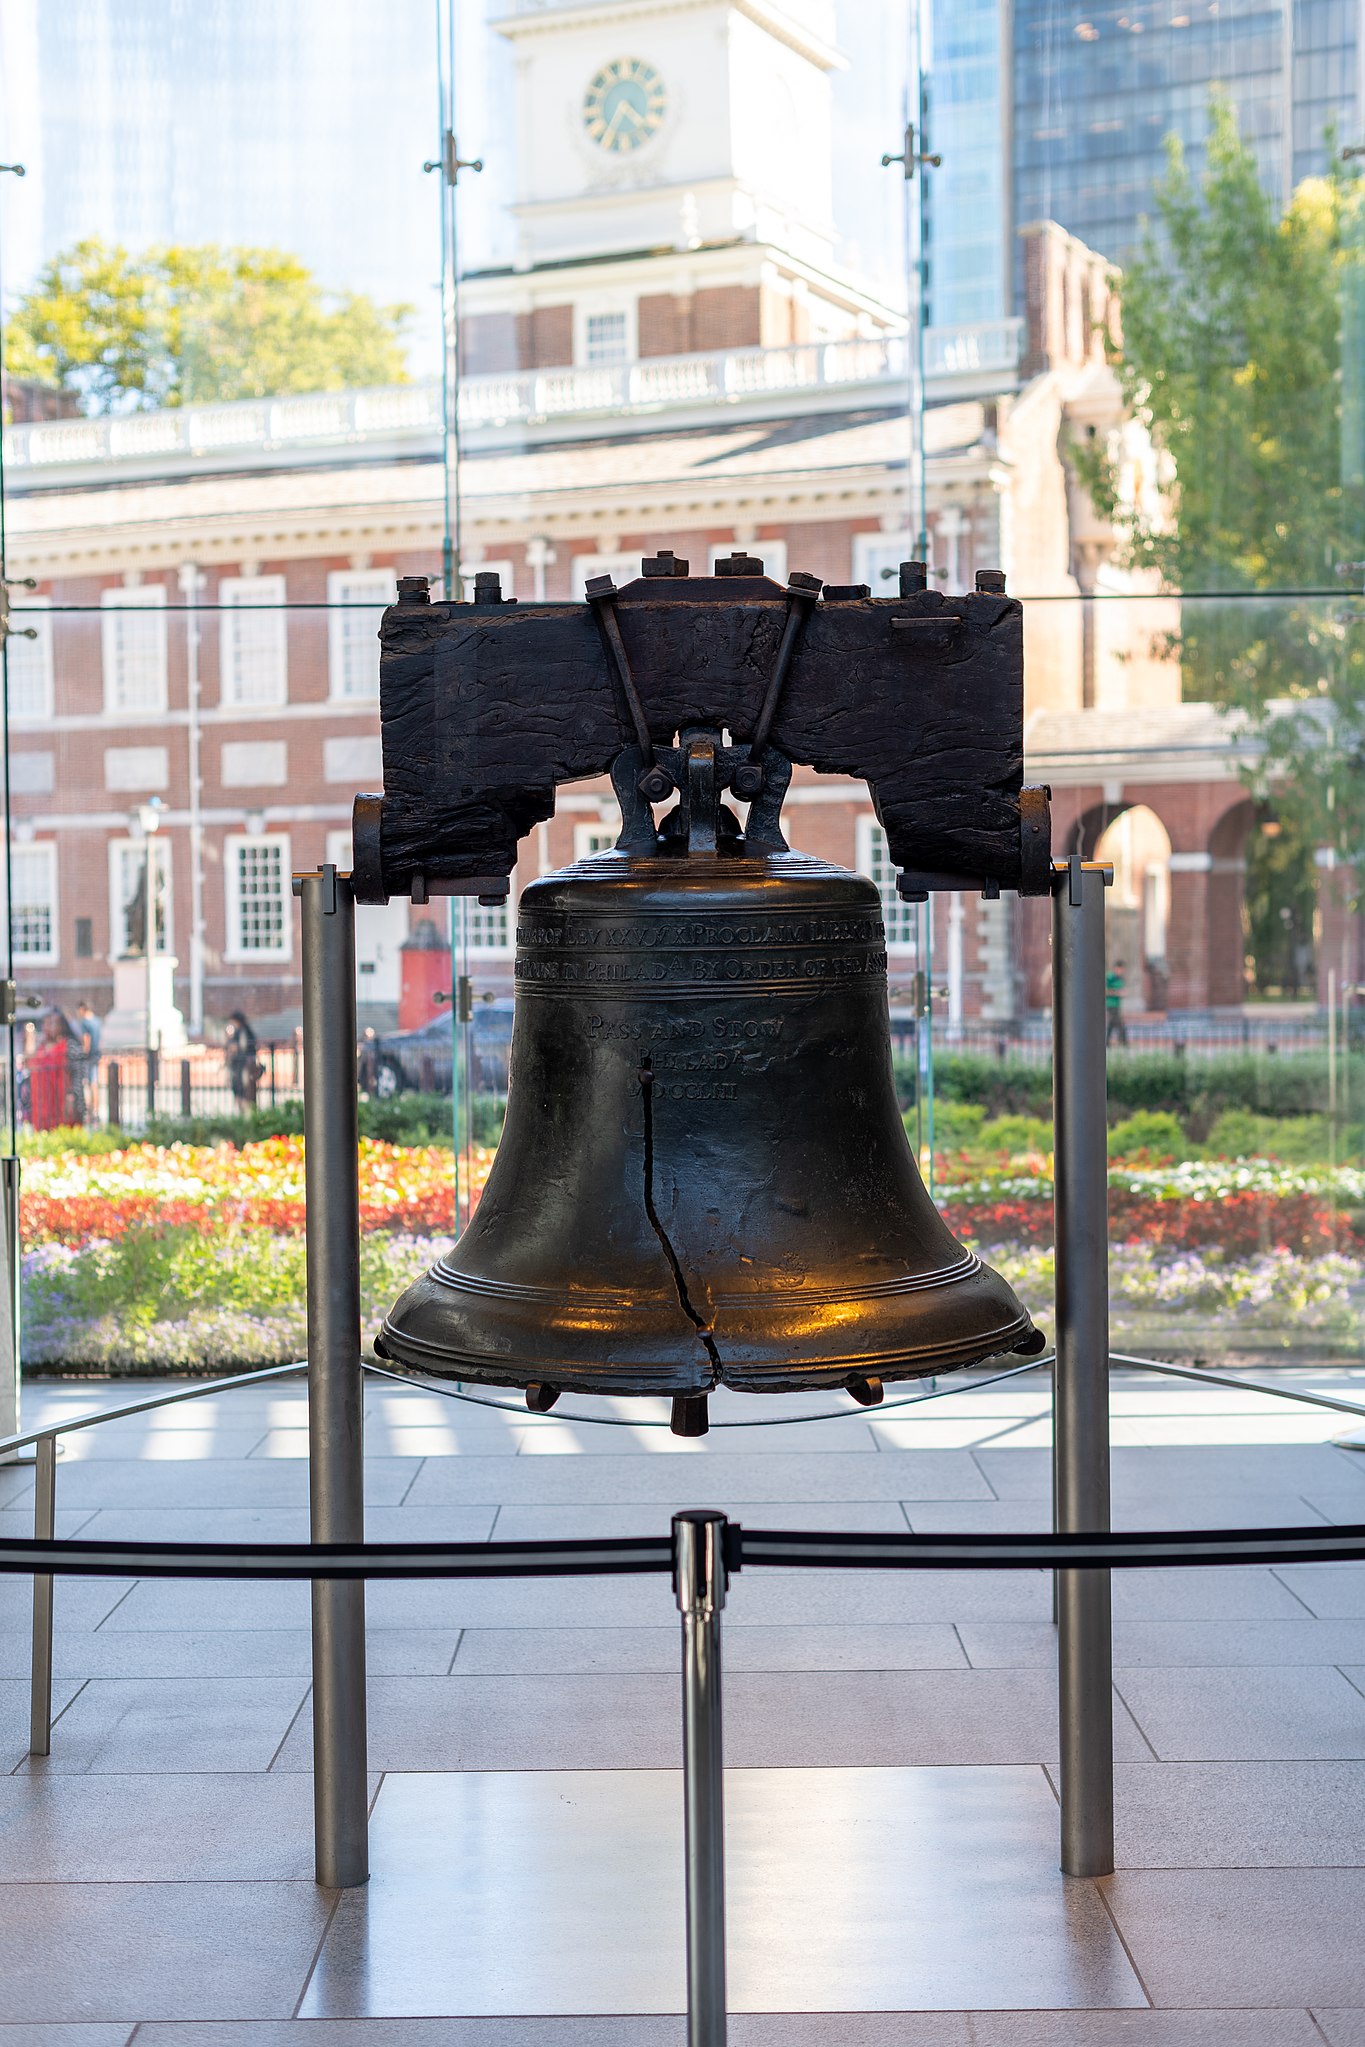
[(182, 325), (1241, 352)]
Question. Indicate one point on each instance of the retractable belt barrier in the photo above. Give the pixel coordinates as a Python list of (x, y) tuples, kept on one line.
[(786, 1549)]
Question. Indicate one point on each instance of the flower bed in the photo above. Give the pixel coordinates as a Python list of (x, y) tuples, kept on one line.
[(191, 1257), (76, 1200)]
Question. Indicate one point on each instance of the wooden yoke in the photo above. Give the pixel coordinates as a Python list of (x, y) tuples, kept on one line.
[(488, 707)]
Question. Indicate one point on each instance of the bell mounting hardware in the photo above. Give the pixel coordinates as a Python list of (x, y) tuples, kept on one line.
[(703, 1179), (489, 707)]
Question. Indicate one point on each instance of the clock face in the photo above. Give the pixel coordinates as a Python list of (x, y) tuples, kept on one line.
[(624, 105)]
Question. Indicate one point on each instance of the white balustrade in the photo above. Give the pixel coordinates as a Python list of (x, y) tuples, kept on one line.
[(992, 348)]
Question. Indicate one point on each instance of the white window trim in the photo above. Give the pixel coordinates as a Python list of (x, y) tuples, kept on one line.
[(772, 554), (36, 612), (866, 545), (49, 958), (583, 835), (135, 597), (161, 853), (338, 581), (265, 590), (474, 951), (234, 951), (590, 308), (866, 826), (622, 568)]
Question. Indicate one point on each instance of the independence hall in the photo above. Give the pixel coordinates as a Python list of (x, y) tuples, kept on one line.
[(667, 365)]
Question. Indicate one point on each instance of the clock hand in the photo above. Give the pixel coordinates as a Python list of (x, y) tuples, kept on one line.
[(622, 107)]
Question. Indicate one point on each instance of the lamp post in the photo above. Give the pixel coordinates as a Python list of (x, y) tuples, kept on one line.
[(143, 823)]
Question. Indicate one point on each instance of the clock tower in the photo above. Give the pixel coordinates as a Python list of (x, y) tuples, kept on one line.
[(643, 123), (673, 185)]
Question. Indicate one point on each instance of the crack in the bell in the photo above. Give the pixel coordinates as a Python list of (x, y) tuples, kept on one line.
[(704, 1336)]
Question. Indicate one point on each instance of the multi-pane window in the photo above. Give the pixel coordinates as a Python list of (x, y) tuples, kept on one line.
[(483, 928), (134, 648), (29, 662), (128, 895), (358, 598), (875, 862), (252, 640), (605, 338), (258, 898), (594, 838), (33, 881)]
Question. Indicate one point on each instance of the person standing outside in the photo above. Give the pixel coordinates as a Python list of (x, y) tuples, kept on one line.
[(88, 1038), (1114, 1026)]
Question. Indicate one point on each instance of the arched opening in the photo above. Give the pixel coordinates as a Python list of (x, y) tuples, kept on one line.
[(1138, 846)]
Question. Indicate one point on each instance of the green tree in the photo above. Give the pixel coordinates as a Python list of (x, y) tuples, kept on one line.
[(1232, 354), (181, 325)]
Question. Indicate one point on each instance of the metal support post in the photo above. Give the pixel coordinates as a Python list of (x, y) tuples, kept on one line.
[(11, 1251), (44, 1530), (1081, 1399), (699, 1581), (335, 1448)]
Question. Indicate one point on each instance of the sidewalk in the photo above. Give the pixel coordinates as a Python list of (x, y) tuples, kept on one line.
[(891, 1742)]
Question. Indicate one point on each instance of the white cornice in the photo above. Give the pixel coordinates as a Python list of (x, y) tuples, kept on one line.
[(765, 14)]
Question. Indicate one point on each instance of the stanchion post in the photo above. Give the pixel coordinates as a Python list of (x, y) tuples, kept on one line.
[(335, 1446), (1081, 1379), (11, 1252), (699, 1581), (44, 1530)]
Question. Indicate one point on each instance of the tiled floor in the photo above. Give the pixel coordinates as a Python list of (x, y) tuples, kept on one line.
[(892, 1820)]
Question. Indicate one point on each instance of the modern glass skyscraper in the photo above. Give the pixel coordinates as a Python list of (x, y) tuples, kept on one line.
[(967, 119), (1082, 102)]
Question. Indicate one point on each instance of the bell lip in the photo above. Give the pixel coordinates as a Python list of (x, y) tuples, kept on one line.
[(745, 1376), (767, 1300)]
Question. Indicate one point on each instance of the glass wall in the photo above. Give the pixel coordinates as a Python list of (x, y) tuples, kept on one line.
[(519, 295)]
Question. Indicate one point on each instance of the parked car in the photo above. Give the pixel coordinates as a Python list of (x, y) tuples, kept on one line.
[(396, 1062)]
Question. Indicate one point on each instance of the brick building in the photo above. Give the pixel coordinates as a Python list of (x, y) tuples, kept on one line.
[(674, 361)]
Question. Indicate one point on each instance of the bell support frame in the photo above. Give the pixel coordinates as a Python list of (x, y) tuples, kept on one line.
[(488, 707)]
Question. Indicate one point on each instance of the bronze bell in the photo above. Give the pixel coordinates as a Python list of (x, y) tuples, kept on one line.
[(703, 1178)]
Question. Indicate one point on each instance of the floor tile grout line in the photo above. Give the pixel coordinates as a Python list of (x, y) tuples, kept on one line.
[(116, 1605), (293, 1723), (982, 1474), (450, 1667), (421, 1466), (1141, 1730), (311, 1970), (1099, 1890), (1279, 1578), (1313, 2022), (1343, 1671)]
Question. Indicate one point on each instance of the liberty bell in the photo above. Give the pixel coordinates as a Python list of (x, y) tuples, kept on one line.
[(703, 1178)]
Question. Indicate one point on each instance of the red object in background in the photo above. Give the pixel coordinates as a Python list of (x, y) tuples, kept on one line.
[(425, 985), (48, 1086)]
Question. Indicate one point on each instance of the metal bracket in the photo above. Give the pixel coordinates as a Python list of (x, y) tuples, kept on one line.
[(655, 782), (450, 163), (803, 593), (910, 158)]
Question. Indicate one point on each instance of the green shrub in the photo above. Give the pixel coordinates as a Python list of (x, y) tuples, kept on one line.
[(1298, 1140), (1015, 1134), (72, 1137), (1155, 1131), (957, 1125), (403, 1119)]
